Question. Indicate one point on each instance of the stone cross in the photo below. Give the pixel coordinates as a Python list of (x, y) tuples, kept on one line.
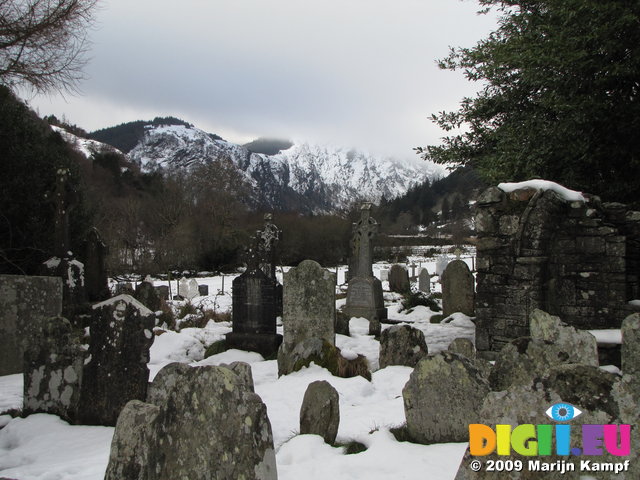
[(64, 198), (267, 239), (363, 233)]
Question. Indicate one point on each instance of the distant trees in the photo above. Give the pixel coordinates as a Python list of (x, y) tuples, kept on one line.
[(43, 42), (560, 97)]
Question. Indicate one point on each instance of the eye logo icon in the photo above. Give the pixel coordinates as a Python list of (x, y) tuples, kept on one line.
[(563, 412)]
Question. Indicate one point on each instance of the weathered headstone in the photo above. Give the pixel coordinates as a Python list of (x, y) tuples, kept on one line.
[(116, 372), (464, 347), (24, 301), (399, 279), (203, 290), (364, 292), (320, 411), (254, 311), (440, 411), (213, 426), (183, 288), (457, 289), (95, 270), (146, 294), (309, 304), (165, 380), (402, 345), (192, 289), (53, 362), (384, 275), (132, 444), (163, 292), (424, 281), (441, 264), (630, 351), (63, 264), (208, 425), (413, 270)]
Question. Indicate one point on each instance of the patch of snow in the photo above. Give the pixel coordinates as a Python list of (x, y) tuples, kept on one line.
[(563, 192), (127, 299), (609, 336)]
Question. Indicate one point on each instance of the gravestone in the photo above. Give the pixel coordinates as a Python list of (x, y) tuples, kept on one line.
[(146, 294), (95, 271), (402, 345), (53, 362), (457, 289), (163, 292), (384, 275), (441, 264), (630, 351), (203, 290), (424, 281), (183, 288), (309, 304), (413, 270), (63, 264), (320, 411), (24, 301), (192, 289), (439, 411), (116, 372), (364, 291), (254, 310), (209, 425), (266, 241), (399, 279)]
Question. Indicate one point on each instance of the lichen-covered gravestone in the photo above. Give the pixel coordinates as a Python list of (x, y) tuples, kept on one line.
[(23, 302), (309, 304), (53, 361), (402, 345), (424, 281), (209, 426), (116, 370), (320, 411), (399, 279), (457, 289), (439, 411)]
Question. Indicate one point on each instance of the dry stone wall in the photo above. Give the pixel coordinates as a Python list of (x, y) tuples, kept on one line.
[(578, 260)]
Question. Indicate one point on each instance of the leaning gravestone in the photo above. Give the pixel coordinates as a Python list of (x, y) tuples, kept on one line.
[(254, 311), (402, 345), (424, 281), (399, 279), (53, 361), (121, 336), (309, 304), (24, 301), (457, 289), (440, 411), (320, 411), (364, 292)]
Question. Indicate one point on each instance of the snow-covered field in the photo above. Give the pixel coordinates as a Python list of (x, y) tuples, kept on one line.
[(44, 447)]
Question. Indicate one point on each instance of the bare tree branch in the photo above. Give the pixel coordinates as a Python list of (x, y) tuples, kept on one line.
[(43, 43)]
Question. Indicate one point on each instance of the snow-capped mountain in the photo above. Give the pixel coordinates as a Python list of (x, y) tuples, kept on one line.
[(308, 178)]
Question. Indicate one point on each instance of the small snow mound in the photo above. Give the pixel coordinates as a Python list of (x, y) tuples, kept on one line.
[(459, 320), (608, 336), (564, 192), (349, 354), (635, 303)]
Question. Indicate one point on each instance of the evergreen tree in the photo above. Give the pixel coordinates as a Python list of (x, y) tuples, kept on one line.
[(561, 96)]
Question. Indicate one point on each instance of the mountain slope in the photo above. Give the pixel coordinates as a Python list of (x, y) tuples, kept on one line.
[(306, 178)]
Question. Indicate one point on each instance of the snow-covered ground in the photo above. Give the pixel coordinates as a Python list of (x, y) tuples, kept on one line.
[(44, 447)]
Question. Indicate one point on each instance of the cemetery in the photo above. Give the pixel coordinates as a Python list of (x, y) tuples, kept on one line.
[(275, 391)]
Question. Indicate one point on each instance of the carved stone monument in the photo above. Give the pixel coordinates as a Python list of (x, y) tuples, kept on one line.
[(254, 308), (268, 238), (364, 293), (95, 271)]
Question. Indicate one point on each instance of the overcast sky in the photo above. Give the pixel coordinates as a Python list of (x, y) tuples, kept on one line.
[(354, 73)]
